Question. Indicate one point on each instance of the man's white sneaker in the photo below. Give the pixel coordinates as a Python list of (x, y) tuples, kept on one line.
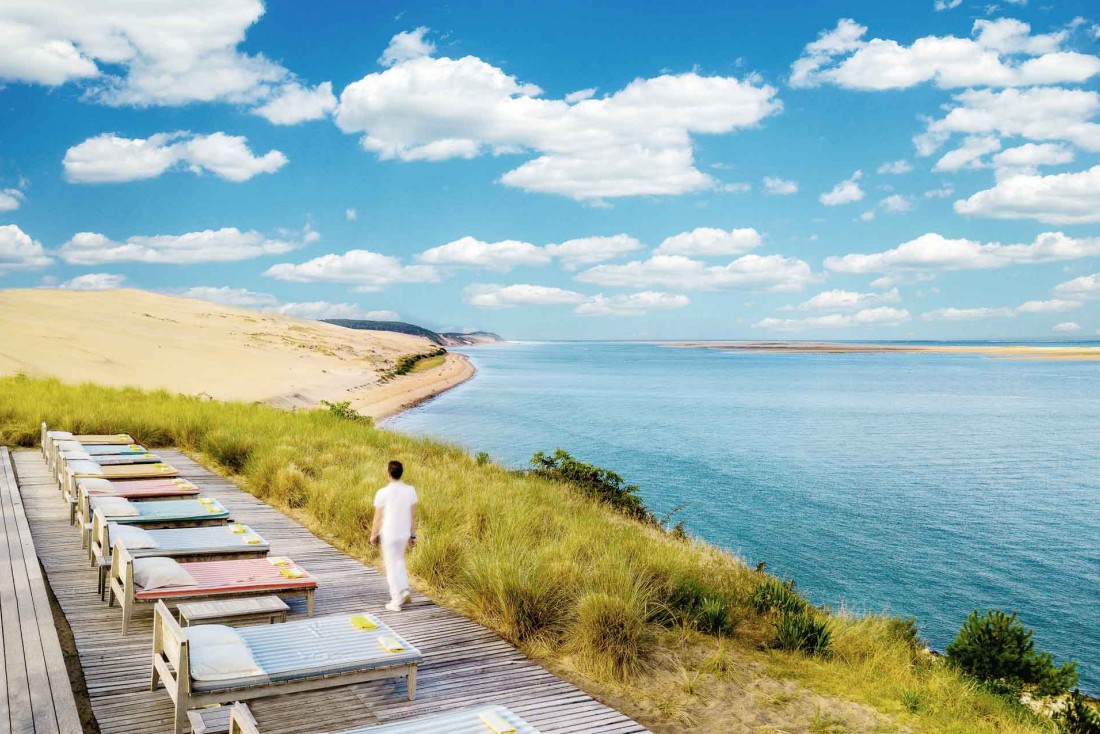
[(406, 597), (393, 606)]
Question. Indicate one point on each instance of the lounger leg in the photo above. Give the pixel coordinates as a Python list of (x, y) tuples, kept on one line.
[(127, 608), (102, 581), (155, 681), (181, 717), (309, 603), (410, 683)]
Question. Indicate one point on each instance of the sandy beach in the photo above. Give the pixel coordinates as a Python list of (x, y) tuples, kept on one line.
[(996, 351), (149, 340)]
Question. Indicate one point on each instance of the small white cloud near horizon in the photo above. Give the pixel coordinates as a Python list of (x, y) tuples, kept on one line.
[(93, 282), (228, 244), (632, 304), (779, 186), (1066, 327), (774, 273), (363, 270), (837, 299), (259, 301), (845, 192), (1086, 286), (472, 252), (109, 158), (228, 296), (319, 310), (881, 316), (484, 295), (711, 242), (18, 251), (1054, 305)]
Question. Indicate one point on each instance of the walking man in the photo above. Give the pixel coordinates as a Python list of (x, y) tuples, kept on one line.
[(395, 529)]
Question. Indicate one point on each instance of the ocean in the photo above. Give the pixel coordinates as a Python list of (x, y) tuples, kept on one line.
[(923, 485)]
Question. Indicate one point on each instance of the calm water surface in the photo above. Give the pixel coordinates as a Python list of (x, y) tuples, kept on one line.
[(923, 485)]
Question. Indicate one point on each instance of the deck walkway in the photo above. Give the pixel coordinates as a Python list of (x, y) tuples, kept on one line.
[(35, 694), (464, 663)]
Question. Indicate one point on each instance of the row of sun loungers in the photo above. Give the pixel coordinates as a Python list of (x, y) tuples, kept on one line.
[(156, 540)]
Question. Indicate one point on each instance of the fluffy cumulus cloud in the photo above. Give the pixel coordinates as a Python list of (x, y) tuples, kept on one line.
[(635, 141), (229, 296), (711, 242), (969, 154), (881, 316), (361, 269), (842, 300), (750, 272), (93, 282), (19, 252), (294, 103), (11, 199), (630, 304), (228, 244), (1061, 198), (318, 310), (470, 251), (845, 192), (935, 252), (141, 52), (779, 186), (583, 251), (1066, 327), (895, 168), (1053, 305), (999, 53), (1086, 286), (109, 158)]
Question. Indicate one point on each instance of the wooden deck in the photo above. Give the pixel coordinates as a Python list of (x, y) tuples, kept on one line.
[(464, 663), (35, 694)]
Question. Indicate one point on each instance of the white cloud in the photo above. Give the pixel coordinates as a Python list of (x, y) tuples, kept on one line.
[(1025, 159), (867, 216), (108, 158), (1001, 53), (406, 46), (508, 296), (19, 252), (935, 252), (318, 310), (1053, 305), (845, 192), (737, 187), (881, 316), (632, 304), (756, 272), (780, 186), (580, 95), (11, 199), (1067, 327), (591, 250), (1061, 198), (944, 192), (711, 242), (294, 104), (632, 142), (93, 282), (229, 296), (837, 299), (228, 244), (966, 314), (941, 5), (351, 215), (895, 168), (1086, 286), (969, 154), (1041, 114), (896, 203), (362, 269), (469, 251), (140, 53)]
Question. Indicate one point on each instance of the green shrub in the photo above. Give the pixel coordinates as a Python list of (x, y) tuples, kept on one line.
[(482, 458), (1078, 717), (405, 363), (714, 618), (776, 595), (996, 648), (912, 701), (804, 632), (600, 484), (611, 636), (344, 411)]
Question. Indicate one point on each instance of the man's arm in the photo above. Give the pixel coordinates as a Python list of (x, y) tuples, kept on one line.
[(376, 526)]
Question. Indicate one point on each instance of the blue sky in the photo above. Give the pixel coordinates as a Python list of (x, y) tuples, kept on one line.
[(693, 170)]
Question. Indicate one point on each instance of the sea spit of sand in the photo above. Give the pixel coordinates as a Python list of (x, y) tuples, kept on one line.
[(149, 340), (997, 351)]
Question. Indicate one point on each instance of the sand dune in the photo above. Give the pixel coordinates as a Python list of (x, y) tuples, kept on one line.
[(132, 337)]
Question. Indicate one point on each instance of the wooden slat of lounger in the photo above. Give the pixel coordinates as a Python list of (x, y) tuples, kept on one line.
[(464, 664)]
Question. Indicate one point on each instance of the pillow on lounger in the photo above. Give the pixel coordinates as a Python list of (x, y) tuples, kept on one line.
[(92, 484), (114, 507), (132, 538), (70, 446), (60, 435), (84, 467), (217, 653), (80, 455), (160, 573)]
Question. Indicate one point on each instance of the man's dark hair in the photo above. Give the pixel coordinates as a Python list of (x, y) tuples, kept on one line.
[(395, 469)]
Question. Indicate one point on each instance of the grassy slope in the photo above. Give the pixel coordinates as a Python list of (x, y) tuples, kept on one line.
[(571, 583)]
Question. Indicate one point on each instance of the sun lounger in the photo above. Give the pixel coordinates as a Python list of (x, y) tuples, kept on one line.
[(49, 440), (308, 655), (71, 471), (478, 720), (101, 449), (210, 543), (135, 490), (165, 514), (250, 577)]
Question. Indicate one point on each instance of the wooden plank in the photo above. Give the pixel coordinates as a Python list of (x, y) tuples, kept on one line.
[(464, 663)]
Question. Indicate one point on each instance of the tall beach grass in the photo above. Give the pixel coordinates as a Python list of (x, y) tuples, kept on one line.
[(613, 604)]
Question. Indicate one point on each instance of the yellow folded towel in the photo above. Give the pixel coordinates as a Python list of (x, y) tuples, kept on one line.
[(238, 529), (213, 509), (206, 500), (180, 482), (253, 539), (133, 447), (390, 644), (292, 573), (147, 456), (363, 622), (278, 561), (496, 724)]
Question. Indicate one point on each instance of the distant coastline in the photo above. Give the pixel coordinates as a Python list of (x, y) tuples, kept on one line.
[(996, 351)]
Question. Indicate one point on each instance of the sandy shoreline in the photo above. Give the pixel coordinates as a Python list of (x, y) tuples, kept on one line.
[(386, 400), (1020, 352)]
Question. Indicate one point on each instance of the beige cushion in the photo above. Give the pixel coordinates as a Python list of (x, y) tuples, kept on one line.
[(131, 538), (160, 573), (217, 652), (114, 507)]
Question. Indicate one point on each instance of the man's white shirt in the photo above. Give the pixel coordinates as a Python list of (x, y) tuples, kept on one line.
[(396, 501)]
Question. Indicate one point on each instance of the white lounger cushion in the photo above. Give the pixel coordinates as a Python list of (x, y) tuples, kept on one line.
[(70, 446), (114, 507), (131, 537), (94, 484), (60, 435), (84, 467), (217, 652), (77, 455), (159, 573)]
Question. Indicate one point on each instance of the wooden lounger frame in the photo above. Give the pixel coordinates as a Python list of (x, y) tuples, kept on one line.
[(241, 720), (121, 588), (171, 667)]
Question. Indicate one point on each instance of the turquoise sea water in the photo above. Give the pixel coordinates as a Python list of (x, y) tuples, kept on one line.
[(923, 485)]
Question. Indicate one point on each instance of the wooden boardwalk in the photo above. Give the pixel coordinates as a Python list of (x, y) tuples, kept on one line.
[(35, 694), (464, 663)]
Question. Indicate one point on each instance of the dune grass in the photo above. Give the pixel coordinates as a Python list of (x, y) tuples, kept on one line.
[(663, 627)]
